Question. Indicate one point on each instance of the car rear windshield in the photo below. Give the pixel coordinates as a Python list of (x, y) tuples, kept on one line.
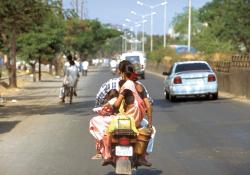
[(191, 67), (133, 59)]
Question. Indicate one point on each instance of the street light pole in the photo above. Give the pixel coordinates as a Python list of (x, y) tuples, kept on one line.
[(152, 13), (143, 39), (151, 30), (136, 24), (125, 46), (136, 32), (131, 39), (143, 26), (124, 41), (165, 23), (189, 26)]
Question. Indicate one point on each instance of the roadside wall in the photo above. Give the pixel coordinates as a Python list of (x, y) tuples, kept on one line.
[(236, 82), (233, 76), (156, 67)]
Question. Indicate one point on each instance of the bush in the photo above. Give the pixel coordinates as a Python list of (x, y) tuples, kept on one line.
[(159, 54)]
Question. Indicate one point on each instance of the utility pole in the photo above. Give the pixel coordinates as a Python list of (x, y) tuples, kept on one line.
[(165, 23), (77, 6), (189, 25), (80, 7)]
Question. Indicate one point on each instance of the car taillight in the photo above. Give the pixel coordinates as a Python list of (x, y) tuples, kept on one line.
[(177, 80), (123, 141), (211, 78)]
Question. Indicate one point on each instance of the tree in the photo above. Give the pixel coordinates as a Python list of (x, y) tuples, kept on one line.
[(207, 42), (87, 36), (204, 38), (16, 17), (229, 21), (43, 43), (180, 25), (111, 47), (158, 54)]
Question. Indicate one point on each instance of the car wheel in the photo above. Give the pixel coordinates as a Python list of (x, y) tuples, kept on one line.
[(207, 96), (166, 95), (215, 96), (172, 98)]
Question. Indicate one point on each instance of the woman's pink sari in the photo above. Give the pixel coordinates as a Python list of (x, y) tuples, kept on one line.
[(97, 128), (138, 111)]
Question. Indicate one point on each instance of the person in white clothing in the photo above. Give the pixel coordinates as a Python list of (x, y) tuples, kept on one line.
[(85, 66), (67, 64), (71, 77), (77, 63)]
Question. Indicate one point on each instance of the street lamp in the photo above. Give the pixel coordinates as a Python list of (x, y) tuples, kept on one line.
[(122, 37), (128, 20), (136, 34), (125, 37), (189, 26), (135, 26), (131, 30), (143, 28), (165, 23), (151, 9), (131, 37)]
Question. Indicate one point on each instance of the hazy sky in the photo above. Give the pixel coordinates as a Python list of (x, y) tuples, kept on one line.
[(116, 11)]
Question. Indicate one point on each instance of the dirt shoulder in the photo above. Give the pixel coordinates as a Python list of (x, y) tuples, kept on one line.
[(29, 95)]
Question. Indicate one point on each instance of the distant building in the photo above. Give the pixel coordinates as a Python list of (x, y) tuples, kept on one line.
[(172, 33), (182, 48)]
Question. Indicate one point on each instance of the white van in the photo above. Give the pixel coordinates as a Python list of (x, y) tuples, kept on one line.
[(138, 60)]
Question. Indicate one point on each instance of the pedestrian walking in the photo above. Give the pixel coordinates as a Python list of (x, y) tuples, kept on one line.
[(85, 66)]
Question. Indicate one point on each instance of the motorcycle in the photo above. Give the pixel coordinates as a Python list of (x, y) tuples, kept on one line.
[(126, 147)]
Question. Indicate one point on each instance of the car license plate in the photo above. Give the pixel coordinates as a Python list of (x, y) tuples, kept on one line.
[(123, 150)]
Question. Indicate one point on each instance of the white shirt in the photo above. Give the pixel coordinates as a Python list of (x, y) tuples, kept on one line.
[(66, 65), (77, 65), (85, 65), (112, 63), (71, 75)]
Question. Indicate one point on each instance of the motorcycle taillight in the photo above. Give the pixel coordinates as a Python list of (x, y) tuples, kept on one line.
[(123, 141)]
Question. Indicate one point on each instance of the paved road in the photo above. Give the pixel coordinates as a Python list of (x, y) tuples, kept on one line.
[(195, 136)]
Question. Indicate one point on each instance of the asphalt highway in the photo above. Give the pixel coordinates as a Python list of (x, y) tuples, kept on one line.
[(194, 136)]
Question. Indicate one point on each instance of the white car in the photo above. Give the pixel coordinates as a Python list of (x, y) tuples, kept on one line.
[(190, 78), (138, 60)]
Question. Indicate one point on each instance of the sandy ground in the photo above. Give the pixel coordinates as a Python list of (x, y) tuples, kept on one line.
[(21, 83)]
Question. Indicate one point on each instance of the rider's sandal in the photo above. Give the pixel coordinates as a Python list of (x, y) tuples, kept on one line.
[(97, 157)]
